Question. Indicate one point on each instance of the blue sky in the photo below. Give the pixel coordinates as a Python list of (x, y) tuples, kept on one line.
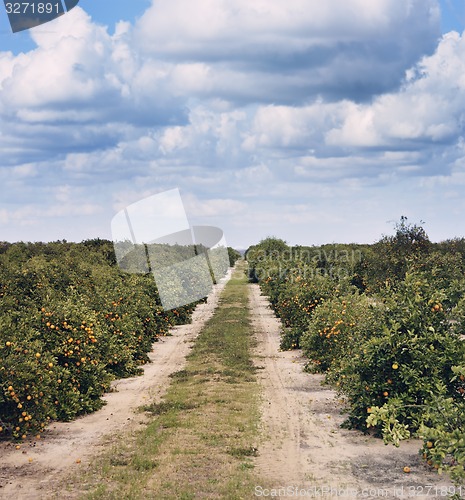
[(315, 122), (452, 15)]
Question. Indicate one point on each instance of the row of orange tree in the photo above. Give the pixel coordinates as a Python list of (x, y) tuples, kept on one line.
[(71, 322), (385, 323)]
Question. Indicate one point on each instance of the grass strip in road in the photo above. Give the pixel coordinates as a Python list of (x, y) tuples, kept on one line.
[(200, 441)]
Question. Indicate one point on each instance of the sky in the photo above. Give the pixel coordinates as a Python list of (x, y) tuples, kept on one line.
[(315, 122)]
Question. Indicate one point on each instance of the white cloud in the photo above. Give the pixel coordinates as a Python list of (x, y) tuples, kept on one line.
[(334, 48), (293, 127), (65, 67), (220, 207), (148, 76), (430, 108), (173, 138)]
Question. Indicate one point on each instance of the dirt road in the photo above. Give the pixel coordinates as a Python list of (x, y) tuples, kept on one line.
[(303, 445)]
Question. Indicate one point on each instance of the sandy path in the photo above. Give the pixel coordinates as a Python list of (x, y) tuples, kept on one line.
[(39, 467), (303, 445)]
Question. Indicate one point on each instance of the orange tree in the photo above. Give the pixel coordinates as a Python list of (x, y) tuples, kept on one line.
[(404, 363), (70, 322), (337, 330), (388, 259), (296, 281)]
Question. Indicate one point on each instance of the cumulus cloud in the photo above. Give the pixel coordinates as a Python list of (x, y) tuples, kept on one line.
[(428, 110), (415, 130), (336, 48), (78, 81), (83, 89)]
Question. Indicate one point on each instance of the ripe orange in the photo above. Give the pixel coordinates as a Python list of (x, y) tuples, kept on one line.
[(406, 469), (395, 366), (429, 444)]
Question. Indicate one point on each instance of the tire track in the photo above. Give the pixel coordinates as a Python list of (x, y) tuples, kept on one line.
[(281, 423)]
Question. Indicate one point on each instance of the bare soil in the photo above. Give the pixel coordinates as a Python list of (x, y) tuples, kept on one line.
[(303, 445)]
